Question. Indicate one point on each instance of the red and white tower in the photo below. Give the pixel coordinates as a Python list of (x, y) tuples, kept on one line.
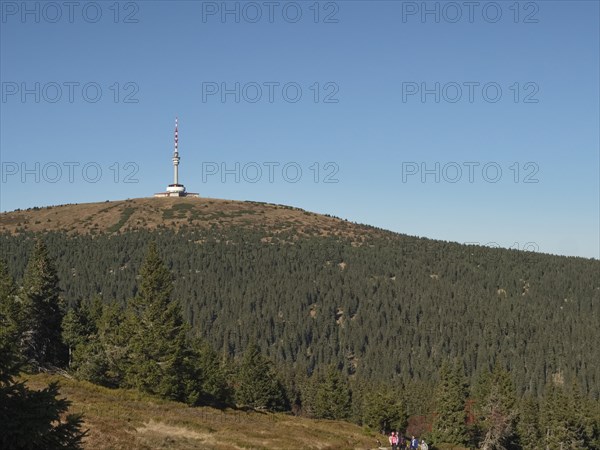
[(176, 156), (176, 189)]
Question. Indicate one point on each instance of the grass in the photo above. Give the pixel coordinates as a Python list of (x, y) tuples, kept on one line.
[(125, 215), (178, 208), (173, 213), (128, 420)]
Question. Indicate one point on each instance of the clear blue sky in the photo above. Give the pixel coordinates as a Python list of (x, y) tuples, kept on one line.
[(370, 56)]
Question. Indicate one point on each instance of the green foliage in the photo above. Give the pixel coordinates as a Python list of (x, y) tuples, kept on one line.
[(399, 307), (383, 410), (10, 331), (496, 409), (42, 311), (80, 323), (157, 335), (257, 384), (125, 215), (107, 360), (528, 427), (208, 383), (418, 397), (28, 419), (33, 419), (333, 398), (11, 316), (87, 359), (565, 419), (390, 308), (449, 425)]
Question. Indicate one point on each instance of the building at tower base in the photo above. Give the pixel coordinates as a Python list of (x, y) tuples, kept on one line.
[(176, 190)]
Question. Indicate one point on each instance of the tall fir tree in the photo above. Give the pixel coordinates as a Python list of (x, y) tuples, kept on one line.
[(42, 339), (528, 426), (157, 334), (11, 316), (496, 408), (87, 359), (382, 409), (333, 398), (36, 419), (561, 420), (257, 384), (207, 383), (28, 419), (450, 421)]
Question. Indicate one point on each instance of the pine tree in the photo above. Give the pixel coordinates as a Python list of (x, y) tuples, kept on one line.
[(34, 419), (111, 350), (561, 420), (43, 314), (157, 346), (496, 399), (28, 419), (528, 427), (208, 381), (333, 399), (79, 325), (449, 425), (383, 410), (11, 315), (257, 384), (87, 359)]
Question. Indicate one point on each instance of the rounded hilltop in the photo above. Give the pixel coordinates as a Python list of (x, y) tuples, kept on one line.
[(176, 213)]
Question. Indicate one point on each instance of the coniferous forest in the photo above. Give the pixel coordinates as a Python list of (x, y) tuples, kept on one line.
[(465, 345)]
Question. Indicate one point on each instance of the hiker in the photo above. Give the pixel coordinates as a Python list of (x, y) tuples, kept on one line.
[(424, 445), (414, 443), (401, 442), (394, 440)]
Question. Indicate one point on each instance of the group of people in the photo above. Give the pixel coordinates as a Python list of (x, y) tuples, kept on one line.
[(398, 442)]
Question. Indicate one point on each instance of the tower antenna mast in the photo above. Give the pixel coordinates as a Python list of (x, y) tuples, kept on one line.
[(176, 189), (176, 155)]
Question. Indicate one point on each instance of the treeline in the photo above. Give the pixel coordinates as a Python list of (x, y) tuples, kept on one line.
[(490, 415), (388, 310), (145, 343), (30, 339)]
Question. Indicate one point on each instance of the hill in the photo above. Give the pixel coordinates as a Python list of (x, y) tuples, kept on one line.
[(175, 213), (125, 419), (313, 290)]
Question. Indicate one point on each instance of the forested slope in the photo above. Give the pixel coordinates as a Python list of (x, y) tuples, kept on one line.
[(313, 290)]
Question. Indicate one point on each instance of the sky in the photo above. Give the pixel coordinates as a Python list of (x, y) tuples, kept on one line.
[(473, 122)]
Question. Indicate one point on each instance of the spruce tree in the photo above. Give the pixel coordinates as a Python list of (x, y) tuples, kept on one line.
[(157, 345), (333, 399), (28, 419), (207, 383), (35, 419), (495, 405), (112, 348), (43, 346), (87, 359), (382, 409), (11, 316), (528, 427), (561, 421), (449, 424), (257, 384)]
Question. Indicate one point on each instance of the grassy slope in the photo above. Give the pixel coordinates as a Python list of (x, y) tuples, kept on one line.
[(150, 213), (128, 420)]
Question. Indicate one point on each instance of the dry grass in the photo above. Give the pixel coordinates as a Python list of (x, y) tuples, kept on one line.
[(128, 420), (175, 213)]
